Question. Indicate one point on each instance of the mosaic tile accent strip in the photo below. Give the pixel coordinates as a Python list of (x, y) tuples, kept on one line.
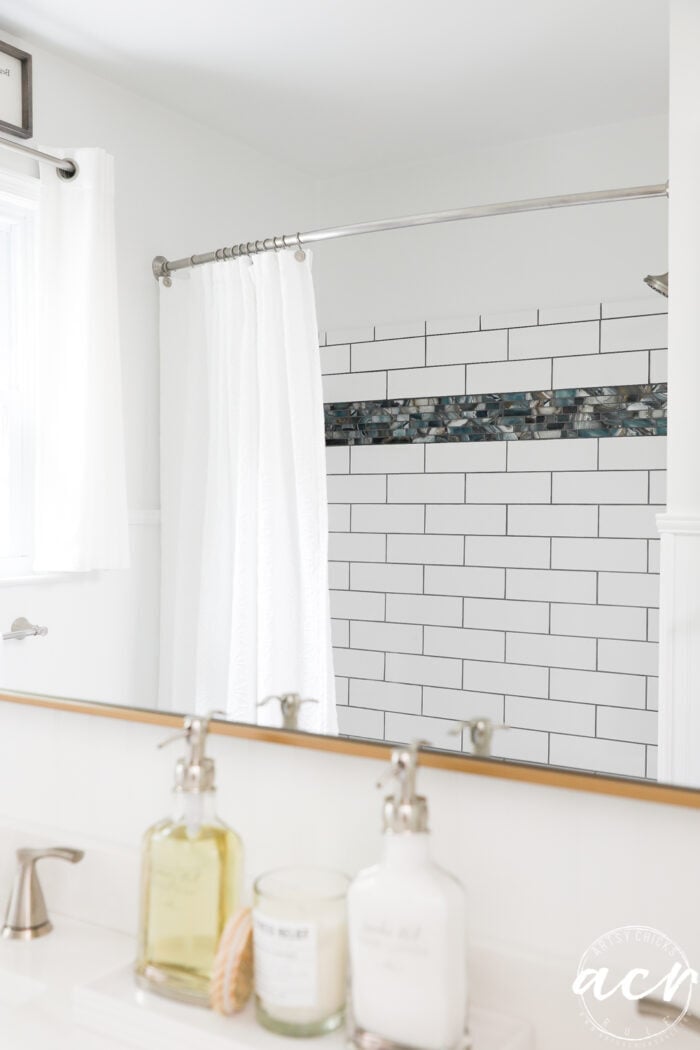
[(595, 412)]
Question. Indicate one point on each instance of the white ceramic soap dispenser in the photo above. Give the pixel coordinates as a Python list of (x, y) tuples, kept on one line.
[(407, 934)]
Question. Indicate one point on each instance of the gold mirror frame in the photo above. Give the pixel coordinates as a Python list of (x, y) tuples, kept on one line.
[(593, 783)]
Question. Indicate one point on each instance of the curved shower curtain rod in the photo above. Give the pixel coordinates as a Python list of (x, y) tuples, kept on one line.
[(163, 267)]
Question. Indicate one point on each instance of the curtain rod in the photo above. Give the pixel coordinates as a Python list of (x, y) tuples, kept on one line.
[(163, 267), (67, 169)]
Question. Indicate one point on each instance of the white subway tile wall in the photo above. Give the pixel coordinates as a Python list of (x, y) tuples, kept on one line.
[(467, 347), (555, 340), (600, 370), (357, 386), (510, 376), (436, 381), (658, 366), (335, 359), (510, 579), (388, 353)]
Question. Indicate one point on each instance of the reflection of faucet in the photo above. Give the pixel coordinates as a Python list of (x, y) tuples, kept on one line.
[(481, 731), (27, 917), (289, 704), (22, 628)]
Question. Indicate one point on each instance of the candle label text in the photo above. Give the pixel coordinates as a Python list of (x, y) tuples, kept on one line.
[(286, 961)]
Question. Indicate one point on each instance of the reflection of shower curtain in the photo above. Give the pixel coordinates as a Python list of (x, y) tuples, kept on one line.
[(245, 520)]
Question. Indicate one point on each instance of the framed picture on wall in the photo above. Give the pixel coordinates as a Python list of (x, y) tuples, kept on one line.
[(15, 91)]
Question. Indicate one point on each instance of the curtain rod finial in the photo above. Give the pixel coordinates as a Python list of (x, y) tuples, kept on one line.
[(160, 269)]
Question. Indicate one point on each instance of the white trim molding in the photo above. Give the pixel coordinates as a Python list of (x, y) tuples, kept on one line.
[(679, 627), (678, 524), (679, 666)]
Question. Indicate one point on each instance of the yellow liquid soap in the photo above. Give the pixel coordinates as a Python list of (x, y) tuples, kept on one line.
[(190, 887)]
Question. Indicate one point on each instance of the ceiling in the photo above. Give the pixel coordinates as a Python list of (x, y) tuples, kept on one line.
[(338, 85)]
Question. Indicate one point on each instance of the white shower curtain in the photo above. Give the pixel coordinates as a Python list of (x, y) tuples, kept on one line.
[(245, 529), (80, 507)]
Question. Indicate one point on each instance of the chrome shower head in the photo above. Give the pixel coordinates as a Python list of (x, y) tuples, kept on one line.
[(658, 282)]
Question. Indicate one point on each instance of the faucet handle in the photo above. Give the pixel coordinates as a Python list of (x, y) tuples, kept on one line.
[(27, 917), (30, 856)]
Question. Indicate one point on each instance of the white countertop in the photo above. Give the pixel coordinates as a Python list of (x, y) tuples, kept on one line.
[(38, 979), (74, 990)]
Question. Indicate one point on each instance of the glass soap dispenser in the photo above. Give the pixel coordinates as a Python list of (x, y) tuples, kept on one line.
[(190, 880), (407, 934)]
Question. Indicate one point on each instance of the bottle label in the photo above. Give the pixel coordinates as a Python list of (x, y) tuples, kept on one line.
[(286, 961)]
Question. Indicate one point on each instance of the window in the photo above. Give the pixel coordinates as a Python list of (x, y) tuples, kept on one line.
[(18, 202)]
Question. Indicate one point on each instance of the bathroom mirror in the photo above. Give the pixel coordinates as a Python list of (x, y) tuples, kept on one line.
[(493, 388)]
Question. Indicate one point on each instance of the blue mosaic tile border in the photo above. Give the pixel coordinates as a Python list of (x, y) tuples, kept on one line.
[(611, 411)]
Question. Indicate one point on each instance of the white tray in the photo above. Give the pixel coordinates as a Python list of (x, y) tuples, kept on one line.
[(113, 1006)]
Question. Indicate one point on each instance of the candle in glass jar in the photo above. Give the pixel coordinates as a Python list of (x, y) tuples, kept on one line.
[(300, 943)]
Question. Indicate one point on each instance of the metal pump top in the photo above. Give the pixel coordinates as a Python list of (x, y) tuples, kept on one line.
[(194, 772), (404, 811)]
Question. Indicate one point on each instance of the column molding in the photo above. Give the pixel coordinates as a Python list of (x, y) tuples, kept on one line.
[(679, 626), (679, 650)]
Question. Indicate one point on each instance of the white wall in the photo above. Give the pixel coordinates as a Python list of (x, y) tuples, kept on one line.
[(180, 188), (546, 870), (580, 255)]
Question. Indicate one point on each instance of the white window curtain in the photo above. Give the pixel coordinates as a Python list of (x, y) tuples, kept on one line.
[(18, 208), (80, 507), (245, 519)]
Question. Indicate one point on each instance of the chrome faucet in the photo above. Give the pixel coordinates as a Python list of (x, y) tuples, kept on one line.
[(290, 703), (22, 628), (26, 916), (481, 732)]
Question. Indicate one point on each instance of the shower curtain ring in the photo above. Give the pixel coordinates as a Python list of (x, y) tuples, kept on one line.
[(299, 254)]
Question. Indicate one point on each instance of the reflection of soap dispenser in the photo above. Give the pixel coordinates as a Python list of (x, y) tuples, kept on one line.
[(190, 883), (407, 933)]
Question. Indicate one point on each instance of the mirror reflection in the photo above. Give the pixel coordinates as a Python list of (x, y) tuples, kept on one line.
[(388, 479)]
